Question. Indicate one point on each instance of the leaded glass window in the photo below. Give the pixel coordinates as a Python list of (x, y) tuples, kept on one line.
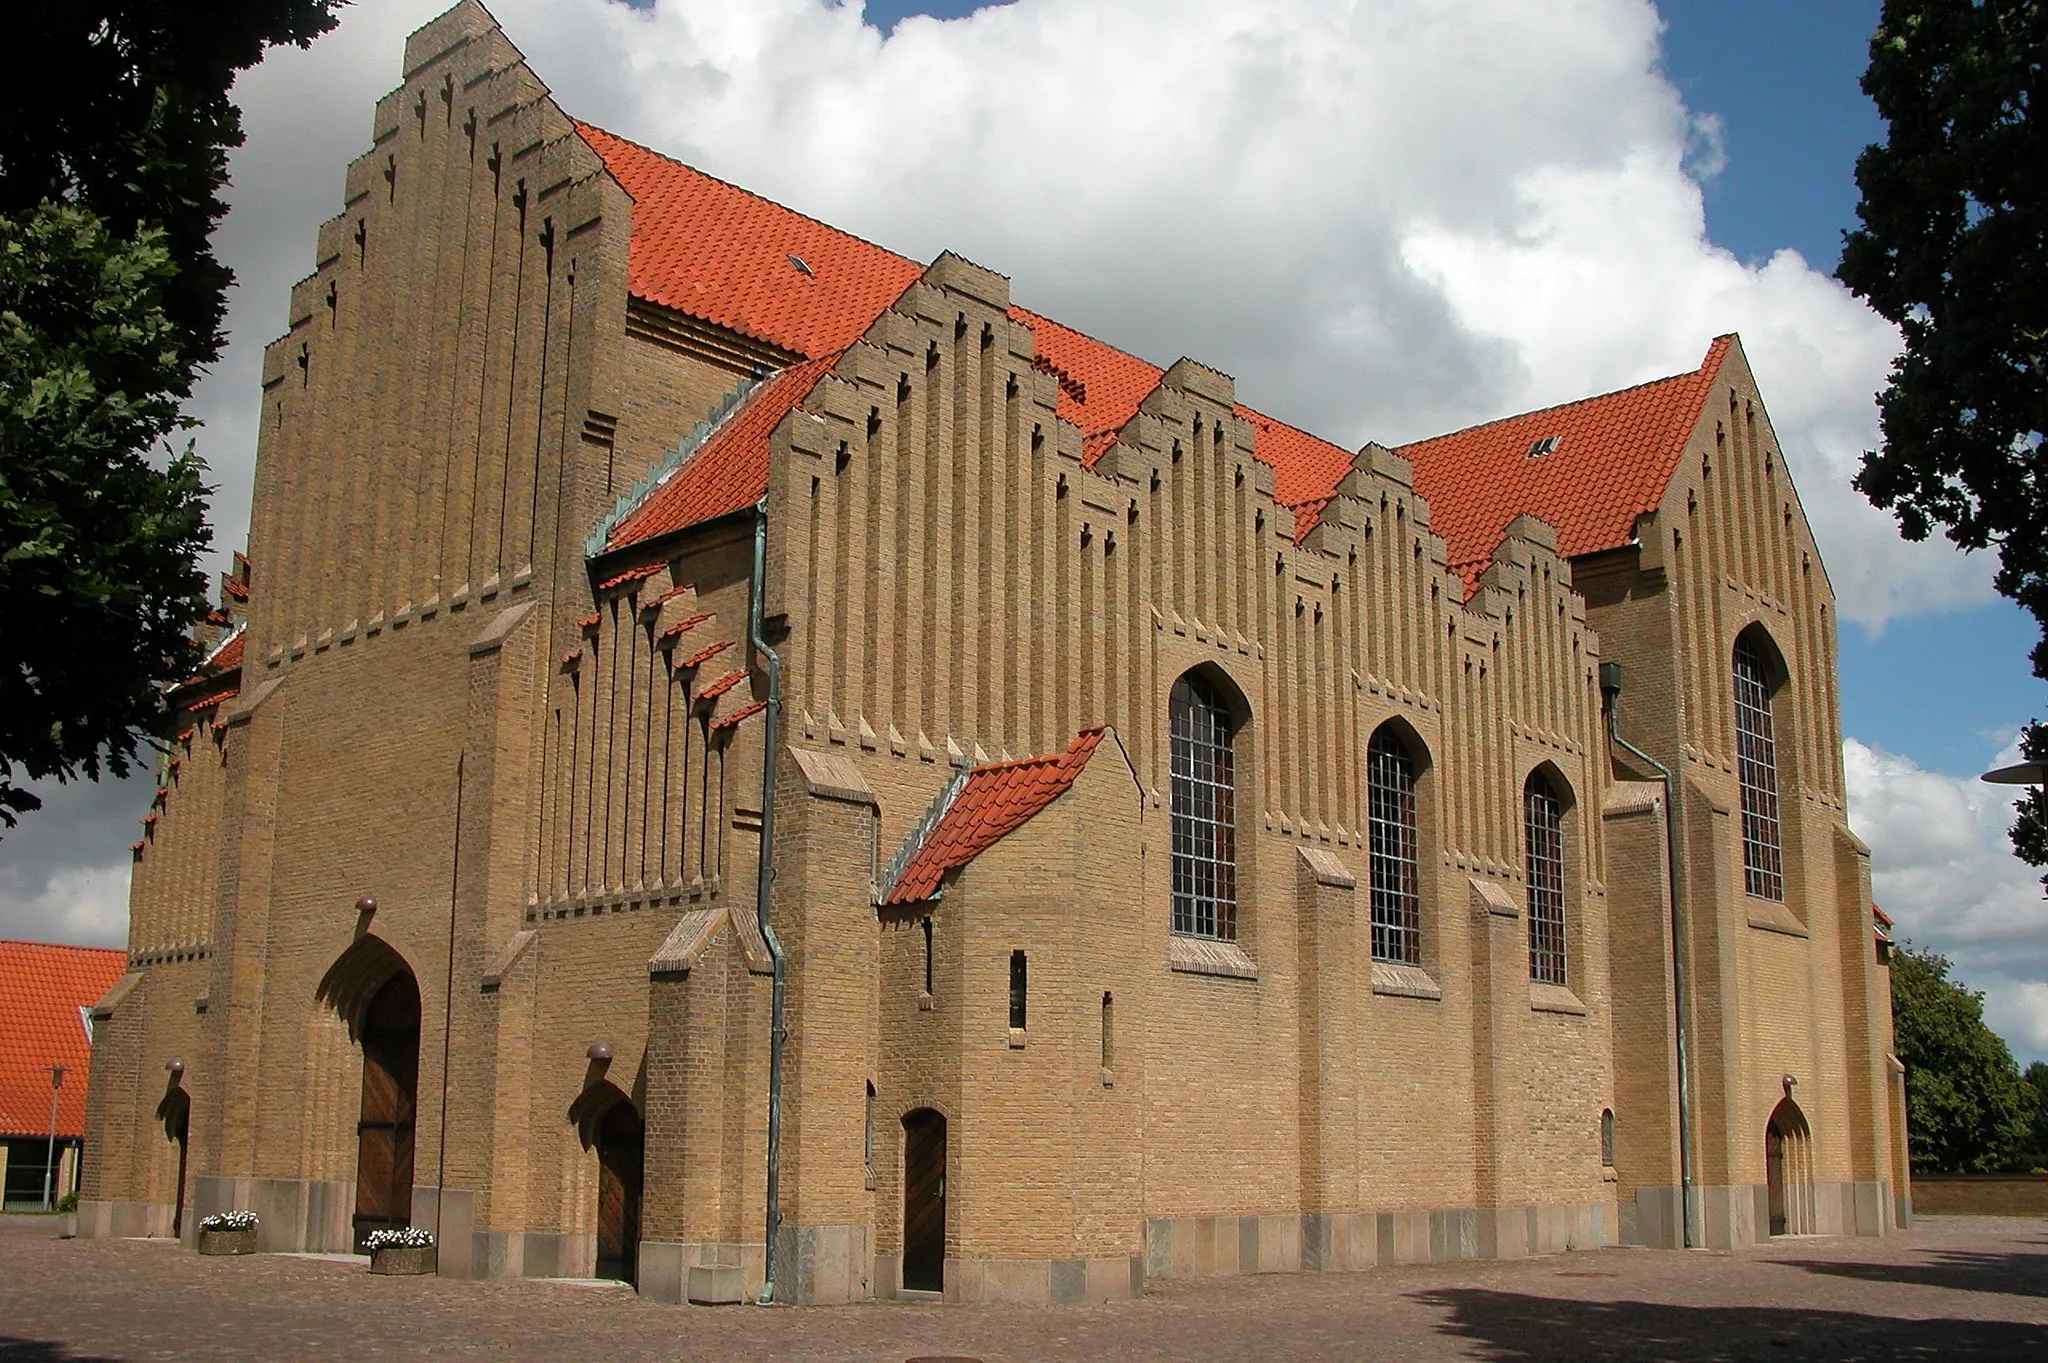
[(1756, 757), (1543, 837), (1204, 813), (1395, 868)]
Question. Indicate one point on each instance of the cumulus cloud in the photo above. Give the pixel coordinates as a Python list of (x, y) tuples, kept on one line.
[(64, 870), (1942, 866)]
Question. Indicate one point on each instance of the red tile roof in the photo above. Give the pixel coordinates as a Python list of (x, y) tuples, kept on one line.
[(42, 987), (720, 253), (1101, 389), (1615, 456), (225, 658), (995, 800), (715, 251), (729, 472), (1100, 386)]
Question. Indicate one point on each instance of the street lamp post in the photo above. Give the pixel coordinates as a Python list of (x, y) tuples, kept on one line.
[(2018, 774), (50, 1155)]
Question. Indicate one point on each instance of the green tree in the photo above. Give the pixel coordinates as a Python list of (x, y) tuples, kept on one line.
[(1967, 1109), (118, 122), (2037, 1151), (1954, 250)]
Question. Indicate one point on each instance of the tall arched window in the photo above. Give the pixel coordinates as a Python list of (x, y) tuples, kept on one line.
[(1204, 813), (1543, 836), (1395, 866), (1756, 759)]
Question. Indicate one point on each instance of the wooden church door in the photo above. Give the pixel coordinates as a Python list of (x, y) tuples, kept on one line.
[(621, 1152), (384, 1131), (924, 1201)]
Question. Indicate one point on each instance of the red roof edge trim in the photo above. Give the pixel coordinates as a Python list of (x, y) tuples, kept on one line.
[(640, 574), (682, 627), (701, 658), (723, 685), (977, 809), (732, 721)]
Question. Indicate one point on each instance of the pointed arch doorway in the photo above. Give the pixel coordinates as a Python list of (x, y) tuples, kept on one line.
[(621, 1154), (924, 1201), (1788, 1163), (390, 1036)]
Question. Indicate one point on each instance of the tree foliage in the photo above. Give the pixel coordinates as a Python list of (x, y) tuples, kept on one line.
[(122, 108), (1968, 1111), (2037, 1141), (1954, 250), (97, 546), (118, 122)]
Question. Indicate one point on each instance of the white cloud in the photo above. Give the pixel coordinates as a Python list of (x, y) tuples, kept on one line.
[(87, 905), (1942, 865)]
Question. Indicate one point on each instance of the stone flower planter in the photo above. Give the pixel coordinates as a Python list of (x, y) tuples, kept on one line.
[(399, 1260), (227, 1241)]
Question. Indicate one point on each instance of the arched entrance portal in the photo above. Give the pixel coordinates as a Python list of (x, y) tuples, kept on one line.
[(176, 1113), (390, 1035), (924, 1201), (621, 1148), (1788, 1161)]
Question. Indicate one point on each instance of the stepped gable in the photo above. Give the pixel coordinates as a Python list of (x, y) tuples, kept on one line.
[(1100, 386), (993, 801), (1615, 456), (720, 253), (730, 472), (715, 251), (42, 988)]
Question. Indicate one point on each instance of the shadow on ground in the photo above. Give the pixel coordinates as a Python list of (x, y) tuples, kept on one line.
[(14, 1350), (1509, 1326), (2015, 1274)]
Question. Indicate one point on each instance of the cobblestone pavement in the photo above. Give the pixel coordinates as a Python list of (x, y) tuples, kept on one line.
[(1952, 1288)]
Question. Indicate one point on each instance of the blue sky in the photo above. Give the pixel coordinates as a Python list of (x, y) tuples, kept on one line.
[(1792, 122)]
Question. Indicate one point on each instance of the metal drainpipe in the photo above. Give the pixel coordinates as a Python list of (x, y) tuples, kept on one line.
[(1610, 691), (762, 884)]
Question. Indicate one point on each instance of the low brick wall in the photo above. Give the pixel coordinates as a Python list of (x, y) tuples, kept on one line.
[(1980, 1194)]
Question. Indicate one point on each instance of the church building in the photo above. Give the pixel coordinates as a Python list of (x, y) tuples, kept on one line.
[(723, 727)]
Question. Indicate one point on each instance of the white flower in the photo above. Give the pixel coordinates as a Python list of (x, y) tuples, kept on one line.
[(405, 1237), (238, 1219)]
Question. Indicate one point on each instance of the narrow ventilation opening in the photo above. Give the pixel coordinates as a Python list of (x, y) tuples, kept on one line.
[(803, 266), (1019, 991)]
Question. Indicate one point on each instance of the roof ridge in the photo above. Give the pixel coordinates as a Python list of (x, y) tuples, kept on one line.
[(58, 946), (1716, 350), (583, 126)]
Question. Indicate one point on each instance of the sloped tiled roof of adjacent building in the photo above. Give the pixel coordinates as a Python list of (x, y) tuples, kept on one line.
[(730, 471), (995, 800), (42, 988), (727, 256), (1614, 457)]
